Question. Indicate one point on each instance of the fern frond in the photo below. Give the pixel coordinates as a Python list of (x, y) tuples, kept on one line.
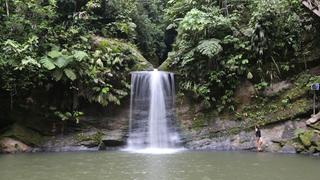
[(209, 47)]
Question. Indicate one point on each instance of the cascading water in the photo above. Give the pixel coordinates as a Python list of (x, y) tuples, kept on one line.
[(152, 112)]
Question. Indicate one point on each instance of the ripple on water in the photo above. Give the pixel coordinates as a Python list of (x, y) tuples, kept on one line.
[(155, 150)]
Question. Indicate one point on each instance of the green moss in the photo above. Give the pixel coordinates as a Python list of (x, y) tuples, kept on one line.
[(305, 138), (97, 137), (117, 46), (202, 119), (24, 135), (198, 123), (165, 66), (289, 105)]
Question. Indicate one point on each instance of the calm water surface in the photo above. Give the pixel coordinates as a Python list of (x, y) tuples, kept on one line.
[(187, 165)]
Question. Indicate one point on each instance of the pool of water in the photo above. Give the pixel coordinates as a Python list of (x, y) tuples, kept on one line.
[(185, 165)]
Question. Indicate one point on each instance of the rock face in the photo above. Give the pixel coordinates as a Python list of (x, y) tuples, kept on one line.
[(9, 145), (274, 139), (281, 112), (276, 88), (91, 140), (99, 131), (113, 138), (244, 93)]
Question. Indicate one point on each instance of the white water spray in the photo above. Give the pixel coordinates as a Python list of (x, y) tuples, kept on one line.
[(152, 113)]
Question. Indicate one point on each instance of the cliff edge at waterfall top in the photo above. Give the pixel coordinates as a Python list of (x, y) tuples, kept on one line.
[(152, 113)]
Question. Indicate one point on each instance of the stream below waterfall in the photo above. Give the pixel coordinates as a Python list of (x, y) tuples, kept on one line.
[(184, 165)]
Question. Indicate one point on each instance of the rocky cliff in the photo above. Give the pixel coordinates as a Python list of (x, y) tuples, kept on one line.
[(281, 109)]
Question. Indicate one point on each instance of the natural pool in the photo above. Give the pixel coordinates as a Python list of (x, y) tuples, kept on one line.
[(185, 165)]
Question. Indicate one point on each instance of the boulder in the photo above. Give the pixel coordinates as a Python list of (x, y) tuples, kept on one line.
[(288, 148), (113, 138), (23, 134), (9, 145), (274, 147)]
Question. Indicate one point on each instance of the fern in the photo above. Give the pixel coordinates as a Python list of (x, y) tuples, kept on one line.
[(209, 47)]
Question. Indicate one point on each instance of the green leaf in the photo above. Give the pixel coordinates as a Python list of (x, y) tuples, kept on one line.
[(172, 26), (54, 54), (99, 62), (210, 47), (80, 55), (249, 75), (245, 61), (29, 60), (47, 63), (61, 62), (105, 90), (70, 74)]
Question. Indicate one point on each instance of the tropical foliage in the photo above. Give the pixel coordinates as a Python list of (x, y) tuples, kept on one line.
[(220, 44), (59, 54), (55, 53)]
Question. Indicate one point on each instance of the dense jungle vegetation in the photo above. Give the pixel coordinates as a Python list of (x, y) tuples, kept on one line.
[(58, 55)]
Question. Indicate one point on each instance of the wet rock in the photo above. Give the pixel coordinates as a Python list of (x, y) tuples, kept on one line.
[(70, 142), (90, 143), (276, 88), (312, 150), (316, 154), (9, 145), (289, 149), (274, 147), (315, 139), (68, 148), (113, 138), (275, 138), (241, 141), (298, 147)]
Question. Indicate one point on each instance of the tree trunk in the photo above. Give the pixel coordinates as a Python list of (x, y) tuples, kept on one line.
[(7, 8)]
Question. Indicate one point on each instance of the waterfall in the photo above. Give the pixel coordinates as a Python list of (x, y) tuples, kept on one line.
[(152, 111)]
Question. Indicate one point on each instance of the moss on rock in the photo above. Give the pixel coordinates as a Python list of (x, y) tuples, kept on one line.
[(94, 139), (289, 104), (165, 66), (305, 138), (117, 46), (23, 134)]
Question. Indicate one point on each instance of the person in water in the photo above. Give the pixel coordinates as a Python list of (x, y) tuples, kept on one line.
[(258, 138)]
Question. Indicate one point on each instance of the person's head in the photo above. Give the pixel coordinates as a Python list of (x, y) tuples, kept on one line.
[(256, 126)]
